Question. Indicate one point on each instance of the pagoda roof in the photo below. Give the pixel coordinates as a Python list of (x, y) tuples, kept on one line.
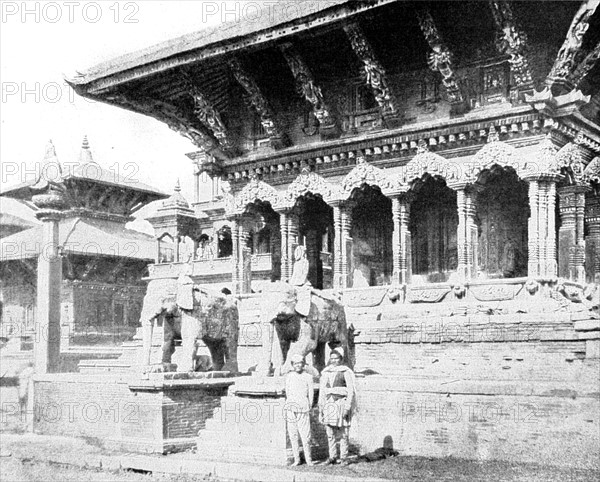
[(261, 27), (85, 179), (83, 236)]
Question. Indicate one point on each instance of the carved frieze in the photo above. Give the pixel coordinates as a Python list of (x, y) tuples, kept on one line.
[(440, 59), (310, 90), (374, 73), (495, 292), (206, 112), (569, 53), (426, 295), (260, 104), (510, 40)]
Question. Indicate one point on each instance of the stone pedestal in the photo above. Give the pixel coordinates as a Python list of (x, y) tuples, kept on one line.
[(250, 426), (158, 413)]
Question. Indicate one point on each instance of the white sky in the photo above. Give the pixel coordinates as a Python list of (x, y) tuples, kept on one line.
[(37, 49)]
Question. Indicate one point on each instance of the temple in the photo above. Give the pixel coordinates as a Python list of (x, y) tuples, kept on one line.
[(440, 163), (99, 280), (433, 153)]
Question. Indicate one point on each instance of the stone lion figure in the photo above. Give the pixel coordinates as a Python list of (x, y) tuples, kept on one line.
[(293, 324), (191, 312)]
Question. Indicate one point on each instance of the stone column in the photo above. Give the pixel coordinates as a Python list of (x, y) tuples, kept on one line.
[(292, 241), (405, 242), (346, 223), (592, 219), (312, 253), (401, 240), (235, 255), (571, 249), (177, 240), (542, 227), (245, 261), (533, 266), (337, 246), (283, 226), (46, 351), (467, 234)]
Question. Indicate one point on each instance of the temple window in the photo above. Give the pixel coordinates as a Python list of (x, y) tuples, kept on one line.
[(433, 224), (224, 243), (166, 251), (503, 212)]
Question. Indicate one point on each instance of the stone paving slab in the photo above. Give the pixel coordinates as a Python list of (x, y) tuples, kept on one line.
[(76, 452)]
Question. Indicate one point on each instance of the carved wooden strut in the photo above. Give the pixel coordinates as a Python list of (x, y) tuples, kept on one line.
[(512, 41), (441, 58), (260, 104), (374, 72), (310, 90)]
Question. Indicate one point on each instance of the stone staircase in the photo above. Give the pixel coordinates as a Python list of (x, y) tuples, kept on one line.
[(249, 426)]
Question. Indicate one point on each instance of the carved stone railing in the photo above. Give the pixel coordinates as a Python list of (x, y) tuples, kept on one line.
[(214, 267)]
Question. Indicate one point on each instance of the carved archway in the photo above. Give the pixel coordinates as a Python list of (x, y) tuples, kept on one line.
[(365, 173), (255, 190), (430, 163), (310, 182)]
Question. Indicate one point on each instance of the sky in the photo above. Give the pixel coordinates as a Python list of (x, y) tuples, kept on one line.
[(42, 42)]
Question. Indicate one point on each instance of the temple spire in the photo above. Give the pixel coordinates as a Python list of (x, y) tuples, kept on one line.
[(50, 169), (85, 155)]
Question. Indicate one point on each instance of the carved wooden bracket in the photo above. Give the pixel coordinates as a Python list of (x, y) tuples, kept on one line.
[(167, 113), (278, 138), (512, 41), (374, 74), (441, 60), (585, 66), (570, 52), (206, 112), (310, 91)]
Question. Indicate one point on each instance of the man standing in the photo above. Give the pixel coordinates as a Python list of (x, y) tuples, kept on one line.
[(336, 401), (299, 396)]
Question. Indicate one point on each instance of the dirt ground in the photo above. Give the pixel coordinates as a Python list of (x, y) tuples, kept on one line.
[(28, 457)]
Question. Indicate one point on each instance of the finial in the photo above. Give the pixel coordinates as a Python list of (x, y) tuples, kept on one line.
[(177, 186), (422, 146), (493, 135), (50, 151), (85, 155)]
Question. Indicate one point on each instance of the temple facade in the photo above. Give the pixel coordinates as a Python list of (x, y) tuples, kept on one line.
[(434, 154), (440, 163)]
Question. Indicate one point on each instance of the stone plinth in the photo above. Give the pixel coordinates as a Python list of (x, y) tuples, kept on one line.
[(249, 425), (159, 413)]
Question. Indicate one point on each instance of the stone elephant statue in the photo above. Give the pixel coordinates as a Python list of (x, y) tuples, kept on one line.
[(299, 321), (209, 316)]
